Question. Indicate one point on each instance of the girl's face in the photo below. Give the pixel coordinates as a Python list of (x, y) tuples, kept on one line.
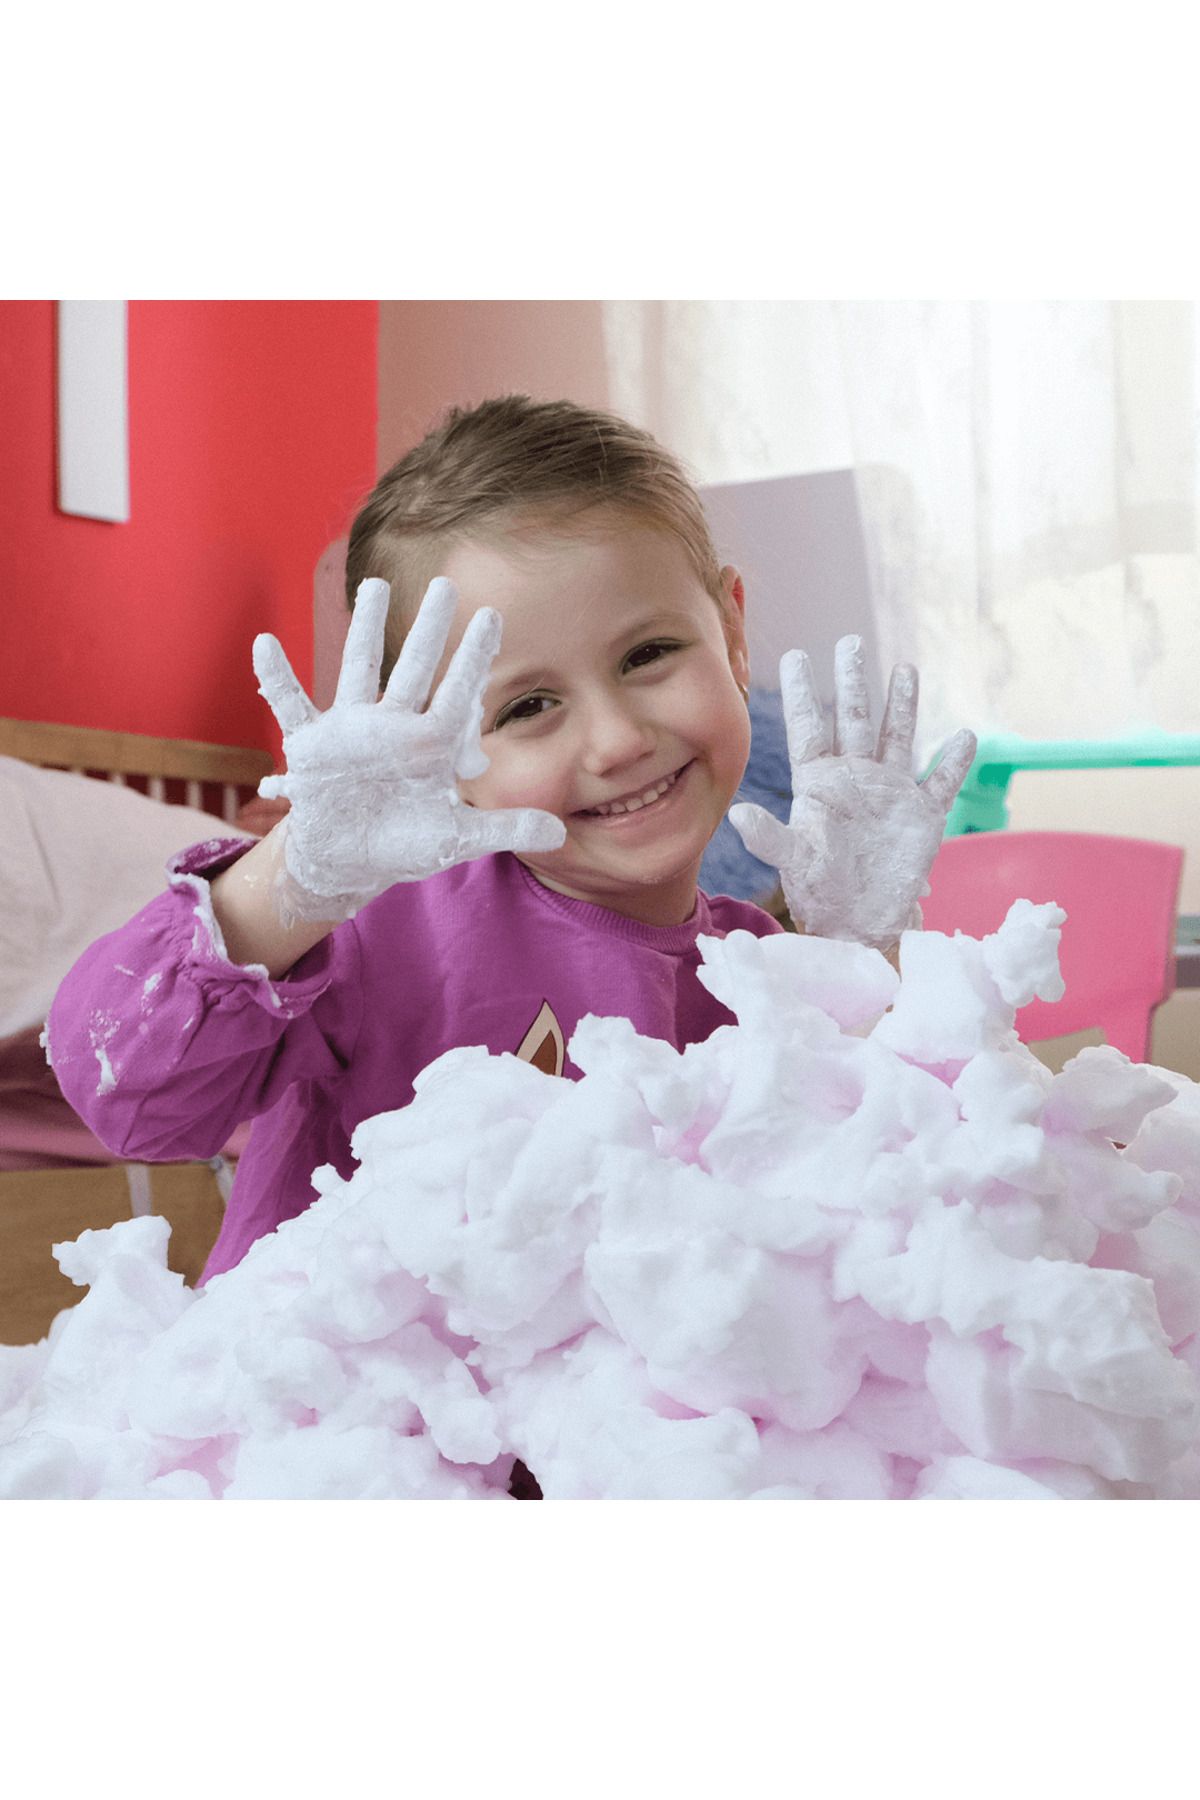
[(616, 682)]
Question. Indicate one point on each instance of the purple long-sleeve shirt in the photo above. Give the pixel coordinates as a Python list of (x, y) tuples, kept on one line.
[(163, 1046)]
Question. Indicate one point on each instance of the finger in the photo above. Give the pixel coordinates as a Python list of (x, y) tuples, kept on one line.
[(511, 828), (944, 782), (461, 688), (852, 734), (279, 687), (899, 718), (803, 715), (764, 836), (471, 760), (358, 678), (411, 679)]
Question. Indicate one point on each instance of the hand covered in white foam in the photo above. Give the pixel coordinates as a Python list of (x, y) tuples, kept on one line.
[(372, 781), (856, 852)]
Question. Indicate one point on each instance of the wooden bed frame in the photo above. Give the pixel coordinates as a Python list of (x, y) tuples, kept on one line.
[(42, 1207), (155, 765)]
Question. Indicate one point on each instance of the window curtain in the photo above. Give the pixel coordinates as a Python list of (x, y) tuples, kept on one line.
[(1026, 471)]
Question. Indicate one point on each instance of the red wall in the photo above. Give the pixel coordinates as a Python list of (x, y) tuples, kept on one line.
[(252, 431)]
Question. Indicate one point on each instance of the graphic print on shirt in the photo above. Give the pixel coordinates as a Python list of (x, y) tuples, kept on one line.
[(543, 1044)]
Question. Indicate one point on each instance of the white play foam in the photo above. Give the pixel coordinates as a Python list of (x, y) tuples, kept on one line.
[(862, 1244)]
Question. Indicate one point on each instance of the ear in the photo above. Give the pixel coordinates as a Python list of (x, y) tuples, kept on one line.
[(733, 611)]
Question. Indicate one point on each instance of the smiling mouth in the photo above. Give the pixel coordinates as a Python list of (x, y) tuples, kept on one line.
[(635, 802)]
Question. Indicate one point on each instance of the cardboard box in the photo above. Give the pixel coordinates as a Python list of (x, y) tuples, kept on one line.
[(42, 1207)]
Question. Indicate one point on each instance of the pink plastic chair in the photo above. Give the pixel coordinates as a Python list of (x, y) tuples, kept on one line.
[(1117, 950)]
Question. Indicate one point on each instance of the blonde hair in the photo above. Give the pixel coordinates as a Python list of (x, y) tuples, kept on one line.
[(496, 465)]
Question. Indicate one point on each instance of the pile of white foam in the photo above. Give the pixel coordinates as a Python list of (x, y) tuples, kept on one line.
[(862, 1244)]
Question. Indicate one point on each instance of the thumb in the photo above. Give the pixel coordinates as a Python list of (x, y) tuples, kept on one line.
[(484, 830), (763, 834), (533, 829)]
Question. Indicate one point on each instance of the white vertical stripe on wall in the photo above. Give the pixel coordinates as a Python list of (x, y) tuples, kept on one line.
[(93, 409)]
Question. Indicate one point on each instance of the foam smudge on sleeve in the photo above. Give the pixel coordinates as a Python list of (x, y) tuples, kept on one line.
[(102, 1029), (861, 1244)]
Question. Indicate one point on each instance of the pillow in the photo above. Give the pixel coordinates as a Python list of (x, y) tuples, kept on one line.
[(78, 857)]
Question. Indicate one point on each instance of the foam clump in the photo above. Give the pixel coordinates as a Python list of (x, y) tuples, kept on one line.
[(860, 1245)]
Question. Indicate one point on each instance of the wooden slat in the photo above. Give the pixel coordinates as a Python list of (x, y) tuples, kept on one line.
[(131, 753), (41, 1207)]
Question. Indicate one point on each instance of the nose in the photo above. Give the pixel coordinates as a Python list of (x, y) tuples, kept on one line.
[(616, 735)]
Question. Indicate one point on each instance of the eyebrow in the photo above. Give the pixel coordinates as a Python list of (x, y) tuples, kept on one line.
[(541, 675)]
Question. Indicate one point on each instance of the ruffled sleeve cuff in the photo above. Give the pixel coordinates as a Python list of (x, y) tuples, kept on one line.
[(201, 946)]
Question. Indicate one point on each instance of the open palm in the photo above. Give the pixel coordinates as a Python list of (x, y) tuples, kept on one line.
[(855, 854), (372, 782)]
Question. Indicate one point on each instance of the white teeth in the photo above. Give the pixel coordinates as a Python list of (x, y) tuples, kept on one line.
[(638, 800)]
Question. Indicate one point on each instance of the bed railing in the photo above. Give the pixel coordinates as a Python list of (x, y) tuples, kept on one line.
[(216, 778)]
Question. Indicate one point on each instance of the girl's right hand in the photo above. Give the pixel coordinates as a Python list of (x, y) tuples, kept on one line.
[(373, 782)]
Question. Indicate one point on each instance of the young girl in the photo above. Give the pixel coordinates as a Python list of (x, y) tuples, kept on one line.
[(505, 839)]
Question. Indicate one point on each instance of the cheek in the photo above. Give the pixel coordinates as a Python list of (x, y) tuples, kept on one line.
[(718, 713), (518, 775), (740, 725), (728, 740), (733, 752)]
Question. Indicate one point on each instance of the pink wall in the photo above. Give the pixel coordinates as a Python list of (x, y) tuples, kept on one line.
[(252, 431), (438, 353)]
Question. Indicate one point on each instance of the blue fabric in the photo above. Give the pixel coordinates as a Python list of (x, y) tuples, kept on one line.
[(728, 867)]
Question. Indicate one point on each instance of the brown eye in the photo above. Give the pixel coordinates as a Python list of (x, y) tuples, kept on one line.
[(646, 654), (529, 707)]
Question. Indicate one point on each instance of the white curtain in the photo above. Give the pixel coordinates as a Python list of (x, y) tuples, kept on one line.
[(1027, 475)]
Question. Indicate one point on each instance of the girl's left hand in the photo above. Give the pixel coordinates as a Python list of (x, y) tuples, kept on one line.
[(856, 852)]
